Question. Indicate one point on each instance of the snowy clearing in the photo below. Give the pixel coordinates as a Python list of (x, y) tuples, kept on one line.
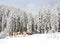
[(33, 39)]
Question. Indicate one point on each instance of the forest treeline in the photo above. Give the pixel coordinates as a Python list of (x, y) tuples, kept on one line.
[(12, 19)]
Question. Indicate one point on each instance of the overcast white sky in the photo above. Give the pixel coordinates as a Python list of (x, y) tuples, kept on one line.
[(30, 5)]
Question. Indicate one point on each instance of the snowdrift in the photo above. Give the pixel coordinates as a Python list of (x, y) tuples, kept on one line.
[(33, 39)]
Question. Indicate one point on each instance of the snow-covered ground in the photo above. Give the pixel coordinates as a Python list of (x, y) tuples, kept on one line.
[(33, 39)]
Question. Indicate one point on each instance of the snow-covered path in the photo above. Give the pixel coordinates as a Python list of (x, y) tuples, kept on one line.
[(33, 39)]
